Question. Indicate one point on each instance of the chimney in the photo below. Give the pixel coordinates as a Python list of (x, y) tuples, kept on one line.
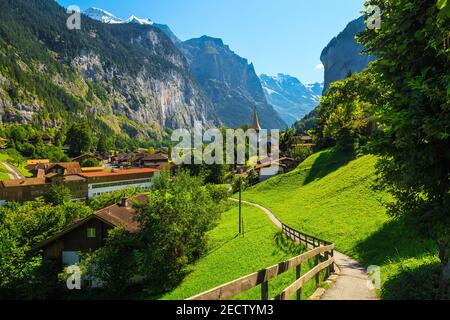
[(124, 202)]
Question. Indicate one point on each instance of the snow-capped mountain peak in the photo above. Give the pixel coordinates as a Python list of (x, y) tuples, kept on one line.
[(102, 15), (290, 98), (107, 17), (134, 19)]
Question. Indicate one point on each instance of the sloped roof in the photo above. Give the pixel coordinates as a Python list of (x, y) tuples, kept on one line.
[(69, 167), (23, 182), (114, 215), (119, 172), (37, 161), (156, 157), (120, 216)]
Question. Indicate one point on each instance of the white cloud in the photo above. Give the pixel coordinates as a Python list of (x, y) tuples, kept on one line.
[(319, 67)]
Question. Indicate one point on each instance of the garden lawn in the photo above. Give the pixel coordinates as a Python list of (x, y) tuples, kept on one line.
[(330, 196), (231, 257)]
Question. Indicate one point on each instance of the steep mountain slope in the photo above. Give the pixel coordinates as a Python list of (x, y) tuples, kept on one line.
[(290, 98), (122, 78), (343, 55), (227, 79), (230, 82), (330, 196)]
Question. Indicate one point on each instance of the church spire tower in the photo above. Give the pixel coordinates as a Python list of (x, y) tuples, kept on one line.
[(256, 124)]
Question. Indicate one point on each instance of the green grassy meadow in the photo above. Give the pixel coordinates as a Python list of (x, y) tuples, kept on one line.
[(231, 257), (3, 172), (18, 162), (330, 196)]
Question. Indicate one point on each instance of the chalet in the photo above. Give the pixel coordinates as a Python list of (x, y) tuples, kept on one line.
[(303, 141), (82, 184), (284, 164), (123, 160), (91, 232), (64, 168), (157, 160), (35, 164)]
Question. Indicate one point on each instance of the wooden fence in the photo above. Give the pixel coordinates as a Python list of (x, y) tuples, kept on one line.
[(322, 252), (303, 238)]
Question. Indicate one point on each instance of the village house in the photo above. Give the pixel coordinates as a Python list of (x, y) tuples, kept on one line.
[(110, 181), (303, 141), (83, 184), (90, 233), (33, 164), (284, 164), (157, 160)]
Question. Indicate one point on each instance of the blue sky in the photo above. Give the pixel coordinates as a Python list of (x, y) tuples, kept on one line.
[(278, 36)]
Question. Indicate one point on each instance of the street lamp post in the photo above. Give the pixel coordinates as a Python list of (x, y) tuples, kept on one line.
[(240, 204)]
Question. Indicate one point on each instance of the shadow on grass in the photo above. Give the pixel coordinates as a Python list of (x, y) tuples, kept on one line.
[(223, 244), (395, 240), (328, 162), (288, 246), (421, 283)]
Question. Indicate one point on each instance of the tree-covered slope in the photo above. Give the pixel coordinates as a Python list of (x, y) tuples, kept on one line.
[(330, 196), (123, 78)]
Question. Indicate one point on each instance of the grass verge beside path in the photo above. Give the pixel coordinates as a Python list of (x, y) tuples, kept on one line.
[(17, 162), (3, 172), (232, 257), (330, 196)]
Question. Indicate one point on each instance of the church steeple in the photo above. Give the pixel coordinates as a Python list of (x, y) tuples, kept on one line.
[(256, 124)]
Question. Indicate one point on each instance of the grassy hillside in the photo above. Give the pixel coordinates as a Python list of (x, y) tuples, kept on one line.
[(330, 196), (14, 160), (231, 257)]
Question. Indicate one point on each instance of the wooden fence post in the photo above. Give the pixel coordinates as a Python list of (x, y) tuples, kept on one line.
[(265, 291), (332, 265), (318, 273), (327, 270), (299, 274)]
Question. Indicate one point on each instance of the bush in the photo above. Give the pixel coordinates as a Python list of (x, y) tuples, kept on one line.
[(91, 162), (300, 154), (174, 226)]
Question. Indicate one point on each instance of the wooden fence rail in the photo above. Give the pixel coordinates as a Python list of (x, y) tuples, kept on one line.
[(236, 287), (303, 238)]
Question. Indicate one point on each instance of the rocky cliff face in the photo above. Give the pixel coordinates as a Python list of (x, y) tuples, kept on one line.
[(290, 98), (123, 78), (343, 55), (230, 82)]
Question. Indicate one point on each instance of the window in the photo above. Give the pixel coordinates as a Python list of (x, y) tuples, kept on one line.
[(70, 258), (91, 233)]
